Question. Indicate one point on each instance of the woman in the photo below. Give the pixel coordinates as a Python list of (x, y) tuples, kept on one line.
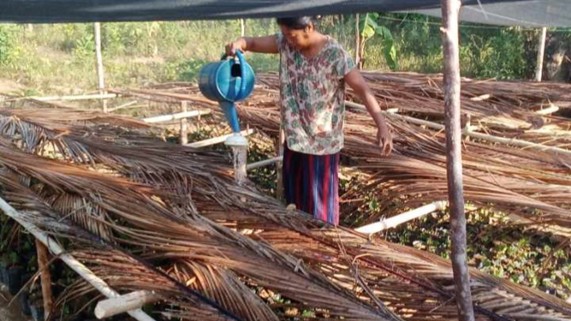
[(314, 69)]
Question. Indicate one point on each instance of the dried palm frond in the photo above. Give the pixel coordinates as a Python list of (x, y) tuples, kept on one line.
[(288, 252)]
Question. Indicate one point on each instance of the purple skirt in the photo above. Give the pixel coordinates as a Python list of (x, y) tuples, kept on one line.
[(311, 182)]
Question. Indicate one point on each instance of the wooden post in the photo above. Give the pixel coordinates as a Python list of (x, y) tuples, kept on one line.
[(357, 41), (184, 124), (43, 260), (451, 50), (99, 58), (540, 55)]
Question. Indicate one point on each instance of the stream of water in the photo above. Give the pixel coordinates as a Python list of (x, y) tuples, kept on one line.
[(239, 153)]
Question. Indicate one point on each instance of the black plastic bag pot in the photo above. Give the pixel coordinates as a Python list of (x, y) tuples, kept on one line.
[(3, 273), (37, 312), (24, 303), (14, 281)]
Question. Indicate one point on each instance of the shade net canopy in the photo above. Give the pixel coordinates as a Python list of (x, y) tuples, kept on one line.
[(526, 12), (534, 13)]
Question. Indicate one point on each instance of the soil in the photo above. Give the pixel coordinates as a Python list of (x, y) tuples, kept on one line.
[(9, 312)]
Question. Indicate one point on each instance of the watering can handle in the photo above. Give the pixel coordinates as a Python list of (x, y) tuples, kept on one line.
[(240, 56)]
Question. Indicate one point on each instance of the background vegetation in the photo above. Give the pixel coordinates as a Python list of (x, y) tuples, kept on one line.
[(60, 58)]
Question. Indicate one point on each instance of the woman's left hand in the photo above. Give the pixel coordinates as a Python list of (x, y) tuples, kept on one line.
[(385, 140)]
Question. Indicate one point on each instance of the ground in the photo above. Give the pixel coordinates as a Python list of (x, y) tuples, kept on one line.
[(9, 86), (12, 312)]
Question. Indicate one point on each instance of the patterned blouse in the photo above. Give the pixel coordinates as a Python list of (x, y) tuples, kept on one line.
[(312, 97)]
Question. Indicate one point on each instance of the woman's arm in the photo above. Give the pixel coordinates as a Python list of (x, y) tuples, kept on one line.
[(384, 138), (266, 44)]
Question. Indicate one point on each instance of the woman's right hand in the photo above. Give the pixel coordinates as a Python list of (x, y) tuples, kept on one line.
[(233, 47)]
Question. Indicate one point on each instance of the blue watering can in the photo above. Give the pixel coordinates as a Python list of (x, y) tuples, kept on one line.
[(228, 81)]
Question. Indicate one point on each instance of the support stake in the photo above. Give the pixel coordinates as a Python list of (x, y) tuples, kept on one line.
[(184, 124), (452, 87), (99, 57), (43, 260), (540, 55)]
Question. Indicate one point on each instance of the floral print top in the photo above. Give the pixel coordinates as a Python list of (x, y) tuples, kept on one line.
[(312, 96)]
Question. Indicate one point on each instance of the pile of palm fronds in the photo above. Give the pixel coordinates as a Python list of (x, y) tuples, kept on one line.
[(145, 214), (528, 182), (513, 179)]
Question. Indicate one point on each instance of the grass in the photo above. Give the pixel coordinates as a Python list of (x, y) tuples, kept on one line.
[(59, 58)]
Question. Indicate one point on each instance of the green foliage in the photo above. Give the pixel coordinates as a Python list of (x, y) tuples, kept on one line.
[(8, 44), (485, 52), (59, 59), (369, 29), (495, 246)]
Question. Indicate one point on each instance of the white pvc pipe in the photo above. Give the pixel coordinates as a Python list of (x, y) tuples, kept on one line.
[(121, 304), (74, 264), (69, 98), (264, 162), (549, 110), (217, 140), (401, 218), (186, 114)]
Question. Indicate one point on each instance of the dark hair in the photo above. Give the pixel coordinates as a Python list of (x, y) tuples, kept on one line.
[(298, 23)]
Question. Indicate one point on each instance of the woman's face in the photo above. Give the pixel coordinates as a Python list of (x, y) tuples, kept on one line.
[(298, 38)]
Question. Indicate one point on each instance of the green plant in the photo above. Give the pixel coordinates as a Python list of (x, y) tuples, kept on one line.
[(368, 28), (8, 46)]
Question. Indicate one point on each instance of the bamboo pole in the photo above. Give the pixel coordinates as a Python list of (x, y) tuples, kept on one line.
[(74, 264), (470, 133), (452, 112), (186, 114), (183, 124), (540, 54), (121, 304), (99, 57), (46, 279), (401, 218)]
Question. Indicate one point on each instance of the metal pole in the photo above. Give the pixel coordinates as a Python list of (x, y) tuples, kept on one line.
[(540, 55), (99, 58), (451, 50)]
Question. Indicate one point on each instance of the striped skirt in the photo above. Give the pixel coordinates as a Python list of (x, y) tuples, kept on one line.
[(311, 182)]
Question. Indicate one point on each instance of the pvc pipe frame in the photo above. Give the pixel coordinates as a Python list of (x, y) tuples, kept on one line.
[(186, 114), (402, 218), (217, 140), (264, 162), (74, 264), (130, 301)]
